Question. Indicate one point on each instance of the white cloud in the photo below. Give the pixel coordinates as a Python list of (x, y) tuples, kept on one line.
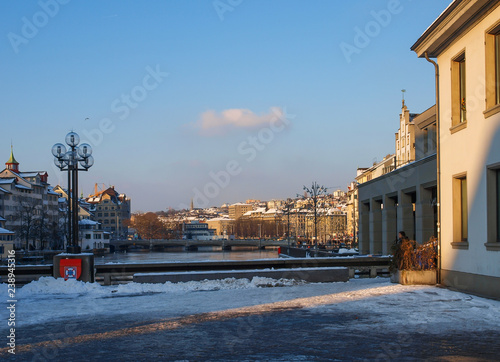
[(213, 123)]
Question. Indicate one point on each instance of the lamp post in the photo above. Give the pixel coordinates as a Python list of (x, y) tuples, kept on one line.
[(69, 160)]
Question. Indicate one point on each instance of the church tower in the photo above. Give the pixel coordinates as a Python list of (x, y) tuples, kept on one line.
[(12, 164)]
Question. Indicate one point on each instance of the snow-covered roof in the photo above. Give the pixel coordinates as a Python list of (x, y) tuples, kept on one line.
[(88, 222), (7, 180), (23, 187), (221, 219), (28, 174), (5, 231), (4, 190)]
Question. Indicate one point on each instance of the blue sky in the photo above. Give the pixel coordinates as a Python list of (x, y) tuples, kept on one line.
[(220, 101)]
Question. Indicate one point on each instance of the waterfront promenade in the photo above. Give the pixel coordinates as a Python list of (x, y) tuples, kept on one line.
[(361, 320)]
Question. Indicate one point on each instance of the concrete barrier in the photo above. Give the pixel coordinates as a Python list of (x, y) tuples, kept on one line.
[(313, 275)]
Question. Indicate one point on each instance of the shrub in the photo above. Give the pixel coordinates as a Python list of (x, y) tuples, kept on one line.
[(408, 255)]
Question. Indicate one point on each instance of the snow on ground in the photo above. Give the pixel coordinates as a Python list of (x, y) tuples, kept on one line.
[(391, 305)]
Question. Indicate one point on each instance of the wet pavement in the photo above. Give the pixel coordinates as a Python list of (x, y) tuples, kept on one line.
[(287, 334)]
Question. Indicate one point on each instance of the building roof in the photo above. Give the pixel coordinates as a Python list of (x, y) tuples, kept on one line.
[(240, 204), (23, 187), (459, 16), (7, 180), (5, 231), (30, 173), (12, 159), (88, 222)]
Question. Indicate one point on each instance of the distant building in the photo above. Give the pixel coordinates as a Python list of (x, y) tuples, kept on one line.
[(111, 209), (237, 210), (92, 236), (222, 226), (403, 198), (352, 211), (339, 193), (405, 138), (6, 240), (196, 230), (465, 39), (378, 169), (29, 205)]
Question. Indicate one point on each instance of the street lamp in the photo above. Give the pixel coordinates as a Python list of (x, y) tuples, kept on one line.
[(69, 160)]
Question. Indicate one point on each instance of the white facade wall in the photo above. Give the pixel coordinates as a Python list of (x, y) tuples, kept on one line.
[(471, 151)]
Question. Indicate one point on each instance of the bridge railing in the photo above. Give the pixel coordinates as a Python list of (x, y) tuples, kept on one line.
[(120, 273)]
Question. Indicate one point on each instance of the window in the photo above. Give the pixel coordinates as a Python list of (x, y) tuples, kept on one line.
[(493, 207), (463, 205), (87, 236), (497, 200), (426, 140), (492, 41), (460, 209), (458, 94), (461, 75), (408, 139)]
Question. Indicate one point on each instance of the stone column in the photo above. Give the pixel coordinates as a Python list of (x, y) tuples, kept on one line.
[(375, 226), (389, 224), (364, 228), (405, 214), (424, 215)]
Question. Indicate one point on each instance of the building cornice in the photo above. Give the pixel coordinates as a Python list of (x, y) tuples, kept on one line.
[(455, 21)]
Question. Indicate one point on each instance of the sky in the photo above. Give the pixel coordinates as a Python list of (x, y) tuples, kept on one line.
[(218, 101)]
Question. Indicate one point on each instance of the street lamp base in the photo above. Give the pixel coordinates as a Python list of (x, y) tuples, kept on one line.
[(73, 249)]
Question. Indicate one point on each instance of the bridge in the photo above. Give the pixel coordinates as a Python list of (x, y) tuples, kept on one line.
[(191, 244)]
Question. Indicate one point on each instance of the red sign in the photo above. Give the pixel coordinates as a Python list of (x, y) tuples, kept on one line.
[(70, 268)]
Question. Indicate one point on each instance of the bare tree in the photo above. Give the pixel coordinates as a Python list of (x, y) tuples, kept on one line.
[(314, 193), (24, 219)]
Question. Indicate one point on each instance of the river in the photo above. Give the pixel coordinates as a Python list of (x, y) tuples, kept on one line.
[(178, 254)]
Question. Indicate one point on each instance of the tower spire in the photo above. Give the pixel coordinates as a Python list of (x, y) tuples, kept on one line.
[(12, 164), (403, 94)]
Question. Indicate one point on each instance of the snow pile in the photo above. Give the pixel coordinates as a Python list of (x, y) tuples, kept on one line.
[(346, 251), (49, 286)]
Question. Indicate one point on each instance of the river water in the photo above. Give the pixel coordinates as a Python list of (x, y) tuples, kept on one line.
[(179, 254)]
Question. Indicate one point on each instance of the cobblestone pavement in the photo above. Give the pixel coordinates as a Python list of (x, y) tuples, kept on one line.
[(289, 334)]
